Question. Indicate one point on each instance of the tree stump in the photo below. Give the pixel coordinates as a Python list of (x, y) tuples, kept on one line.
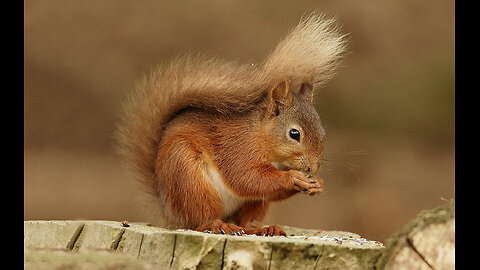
[(427, 242), (159, 248)]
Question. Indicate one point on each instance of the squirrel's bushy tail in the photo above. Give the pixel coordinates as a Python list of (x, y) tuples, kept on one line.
[(309, 53)]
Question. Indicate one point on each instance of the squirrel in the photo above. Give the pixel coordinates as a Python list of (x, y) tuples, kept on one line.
[(216, 142)]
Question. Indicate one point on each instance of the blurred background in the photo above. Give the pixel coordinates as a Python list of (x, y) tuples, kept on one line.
[(389, 113)]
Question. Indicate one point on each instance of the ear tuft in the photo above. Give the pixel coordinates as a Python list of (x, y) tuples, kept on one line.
[(281, 93), (306, 90), (278, 98)]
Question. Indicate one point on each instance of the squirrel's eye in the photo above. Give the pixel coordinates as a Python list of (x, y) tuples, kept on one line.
[(294, 134)]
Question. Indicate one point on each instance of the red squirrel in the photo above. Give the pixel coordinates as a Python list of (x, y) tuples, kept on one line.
[(216, 142)]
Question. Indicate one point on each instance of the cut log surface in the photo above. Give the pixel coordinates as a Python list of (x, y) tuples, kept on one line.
[(88, 244), (427, 242)]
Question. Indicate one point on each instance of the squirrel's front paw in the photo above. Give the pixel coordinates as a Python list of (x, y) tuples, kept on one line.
[(306, 184)]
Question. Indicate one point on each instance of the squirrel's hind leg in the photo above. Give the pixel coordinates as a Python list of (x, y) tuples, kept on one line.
[(250, 216), (189, 196), (182, 169)]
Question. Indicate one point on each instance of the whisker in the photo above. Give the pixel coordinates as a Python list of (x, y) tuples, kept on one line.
[(348, 165), (358, 152), (345, 164)]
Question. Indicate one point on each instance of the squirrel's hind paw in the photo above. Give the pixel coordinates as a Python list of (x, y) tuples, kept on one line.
[(273, 230), (219, 227)]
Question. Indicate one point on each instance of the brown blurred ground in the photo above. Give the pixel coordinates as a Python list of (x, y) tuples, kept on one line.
[(389, 113)]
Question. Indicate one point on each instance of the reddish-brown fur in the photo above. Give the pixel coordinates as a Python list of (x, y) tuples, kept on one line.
[(210, 139), (180, 177), (241, 147)]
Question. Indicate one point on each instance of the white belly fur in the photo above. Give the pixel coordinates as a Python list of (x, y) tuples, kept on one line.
[(231, 201)]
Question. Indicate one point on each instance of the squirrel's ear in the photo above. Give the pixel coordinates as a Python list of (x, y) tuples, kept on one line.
[(278, 98), (306, 90)]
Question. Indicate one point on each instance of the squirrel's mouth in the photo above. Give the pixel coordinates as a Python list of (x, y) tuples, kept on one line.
[(283, 167)]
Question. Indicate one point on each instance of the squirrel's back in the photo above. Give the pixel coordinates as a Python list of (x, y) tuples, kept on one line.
[(309, 53)]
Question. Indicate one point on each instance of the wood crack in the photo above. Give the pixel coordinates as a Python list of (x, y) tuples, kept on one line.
[(318, 257), (410, 244), (140, 247), (75, 237), (173, 251), (117, 240), (270, 259), (223, 253)]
